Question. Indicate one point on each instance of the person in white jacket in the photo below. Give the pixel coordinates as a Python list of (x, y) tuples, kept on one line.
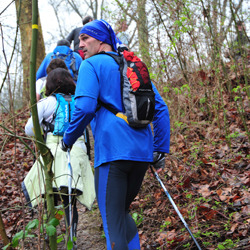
[(60, 81)]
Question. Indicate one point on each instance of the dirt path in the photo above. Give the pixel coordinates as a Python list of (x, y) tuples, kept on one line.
[(89, 230)]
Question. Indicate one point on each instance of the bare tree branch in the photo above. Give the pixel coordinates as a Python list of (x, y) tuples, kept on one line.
[(7, 7)]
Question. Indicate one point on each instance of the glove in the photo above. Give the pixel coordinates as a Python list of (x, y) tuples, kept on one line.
[(64, 146), (159, 160)]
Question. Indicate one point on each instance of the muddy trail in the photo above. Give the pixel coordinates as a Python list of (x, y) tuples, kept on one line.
[(90, 234)]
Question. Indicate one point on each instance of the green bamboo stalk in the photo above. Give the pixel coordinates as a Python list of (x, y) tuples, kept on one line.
[(45, 152)]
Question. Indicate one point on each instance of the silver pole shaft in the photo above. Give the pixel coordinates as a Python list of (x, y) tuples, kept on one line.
[(70, 172), (175, 207)]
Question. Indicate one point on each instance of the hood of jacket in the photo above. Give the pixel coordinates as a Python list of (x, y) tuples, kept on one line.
[(65, 50)]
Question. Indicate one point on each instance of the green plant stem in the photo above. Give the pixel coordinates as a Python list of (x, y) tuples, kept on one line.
[(171, 39), (242, 117), (45, 152), (224, 113)]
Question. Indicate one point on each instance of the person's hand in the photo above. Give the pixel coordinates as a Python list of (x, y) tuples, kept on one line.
[(64, 146), (159, 160)]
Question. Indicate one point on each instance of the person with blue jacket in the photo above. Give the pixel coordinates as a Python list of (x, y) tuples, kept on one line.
[(62, 51), (122, 153)]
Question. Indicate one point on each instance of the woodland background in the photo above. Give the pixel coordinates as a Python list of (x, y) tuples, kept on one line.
[(183, 43)]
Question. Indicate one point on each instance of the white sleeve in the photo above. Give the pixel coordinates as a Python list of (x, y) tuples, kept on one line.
[(45, 108), (40, 83)]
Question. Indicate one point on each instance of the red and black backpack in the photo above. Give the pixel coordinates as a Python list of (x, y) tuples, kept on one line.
[(136, 89)]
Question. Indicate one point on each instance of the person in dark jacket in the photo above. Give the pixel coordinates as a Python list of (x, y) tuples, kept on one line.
[(74, 35)]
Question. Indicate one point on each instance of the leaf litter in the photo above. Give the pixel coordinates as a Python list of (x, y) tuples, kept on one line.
[(207, 177)]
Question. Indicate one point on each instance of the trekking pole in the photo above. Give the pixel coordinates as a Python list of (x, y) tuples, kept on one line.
[(175, 207), (70, 172)]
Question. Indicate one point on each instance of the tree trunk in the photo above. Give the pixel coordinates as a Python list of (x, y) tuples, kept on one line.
[(3, 232), (142, 26), (45, 152), (24, 20)]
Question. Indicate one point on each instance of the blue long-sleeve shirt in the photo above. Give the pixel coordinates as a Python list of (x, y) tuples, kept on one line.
[(99, 79)]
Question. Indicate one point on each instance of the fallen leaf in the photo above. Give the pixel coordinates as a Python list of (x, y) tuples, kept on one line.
[(233, 227), (171, 235), (161, 238), (224, 193), (204, 190), (207, 212), (246, 210)]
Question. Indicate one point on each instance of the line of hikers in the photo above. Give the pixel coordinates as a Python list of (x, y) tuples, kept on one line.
[(120, 108)]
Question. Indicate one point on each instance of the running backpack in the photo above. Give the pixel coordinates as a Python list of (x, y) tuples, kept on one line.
[(136, 89), (62, 116), (70, 62)]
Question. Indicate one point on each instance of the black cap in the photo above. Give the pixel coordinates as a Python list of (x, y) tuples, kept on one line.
[(87, 19), (63, 42)]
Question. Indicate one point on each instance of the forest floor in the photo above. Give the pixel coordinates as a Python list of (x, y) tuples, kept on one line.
[(207, 174), (89, 233)]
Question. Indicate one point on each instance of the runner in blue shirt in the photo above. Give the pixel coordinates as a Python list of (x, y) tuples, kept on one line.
[(122, 153), (62, 51)]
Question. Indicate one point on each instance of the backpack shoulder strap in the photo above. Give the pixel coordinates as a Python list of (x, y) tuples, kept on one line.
[(106, 106), (72, 66), (59, 56), (49, 126), (57, 106), (117, 58), (120, 61)]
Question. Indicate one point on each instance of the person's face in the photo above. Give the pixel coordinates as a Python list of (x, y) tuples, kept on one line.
[(89, 45), (241, 27), (124, 26)]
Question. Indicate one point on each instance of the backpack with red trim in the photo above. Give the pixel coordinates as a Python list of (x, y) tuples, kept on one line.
[(136, 88)]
